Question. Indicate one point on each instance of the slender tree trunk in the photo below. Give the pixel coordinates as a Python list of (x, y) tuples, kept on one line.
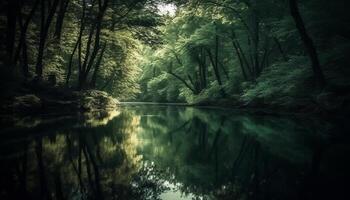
[(217, 72), (256, 41), (82, 71), (215, 69), (60, 18), (12, 11), (44, 31), (88, 48), (182, 80), (308, 43), (240, 59), (89, 62), (39, 67), (77, 46), (97, 66), (201, 60), (244, 58), (69, 70), (204, 69), (22, 46)]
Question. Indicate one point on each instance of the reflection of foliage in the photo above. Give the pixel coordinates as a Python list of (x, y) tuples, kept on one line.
[(149, 182), (80, 163), (148, 150), (222, 156)]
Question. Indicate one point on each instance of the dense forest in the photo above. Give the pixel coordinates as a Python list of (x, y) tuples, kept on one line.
[(174, 99), (267, 53)]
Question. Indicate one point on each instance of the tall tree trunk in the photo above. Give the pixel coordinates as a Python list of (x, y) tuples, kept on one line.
[(77, 46), (60, 18), (12, 11), (22, 46), (215, 65), (181, 79), (200, 57), (256, 42), (241, 64), (89, 60), (308, 43), (44, 31), (244, 58), (97, 66), (217, 72)]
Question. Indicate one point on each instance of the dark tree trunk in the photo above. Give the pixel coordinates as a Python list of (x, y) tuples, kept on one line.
[(60, 18), (215, 69), (69, 70), (97, 66), (181, 79), (22, 46), (214, 63), (241, 63), (77, 46), (12, 11), (44, 31), (200, 57), (90, 59), (244, 58), (308, 43), (256, 41)]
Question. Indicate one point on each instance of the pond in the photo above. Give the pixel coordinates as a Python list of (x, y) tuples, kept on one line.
[(175, 152)]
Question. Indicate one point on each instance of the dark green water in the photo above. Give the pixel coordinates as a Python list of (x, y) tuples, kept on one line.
[(169, 152)]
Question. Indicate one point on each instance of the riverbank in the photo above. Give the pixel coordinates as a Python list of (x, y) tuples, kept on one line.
[(43, 100), (31, 100), (322, 104)]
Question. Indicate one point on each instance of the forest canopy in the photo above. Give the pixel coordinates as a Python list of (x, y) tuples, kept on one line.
[(179, 51)]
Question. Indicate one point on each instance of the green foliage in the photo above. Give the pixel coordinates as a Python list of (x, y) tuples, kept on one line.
[(280, 80), (209, 50), (254, 43)]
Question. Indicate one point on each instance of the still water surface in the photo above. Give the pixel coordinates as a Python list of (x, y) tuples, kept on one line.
[(171, 153)]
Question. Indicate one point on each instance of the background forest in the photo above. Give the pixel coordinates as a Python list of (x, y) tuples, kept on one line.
[(247, 52)]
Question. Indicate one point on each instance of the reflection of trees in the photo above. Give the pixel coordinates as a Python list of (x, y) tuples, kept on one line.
[(207, 153), (224, 155), (73, 162)]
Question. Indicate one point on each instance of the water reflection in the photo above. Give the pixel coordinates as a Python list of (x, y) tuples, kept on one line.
[(150, 152)]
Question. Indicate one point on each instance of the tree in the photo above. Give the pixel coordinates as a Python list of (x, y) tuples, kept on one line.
[(45, 23), (308, 43)]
